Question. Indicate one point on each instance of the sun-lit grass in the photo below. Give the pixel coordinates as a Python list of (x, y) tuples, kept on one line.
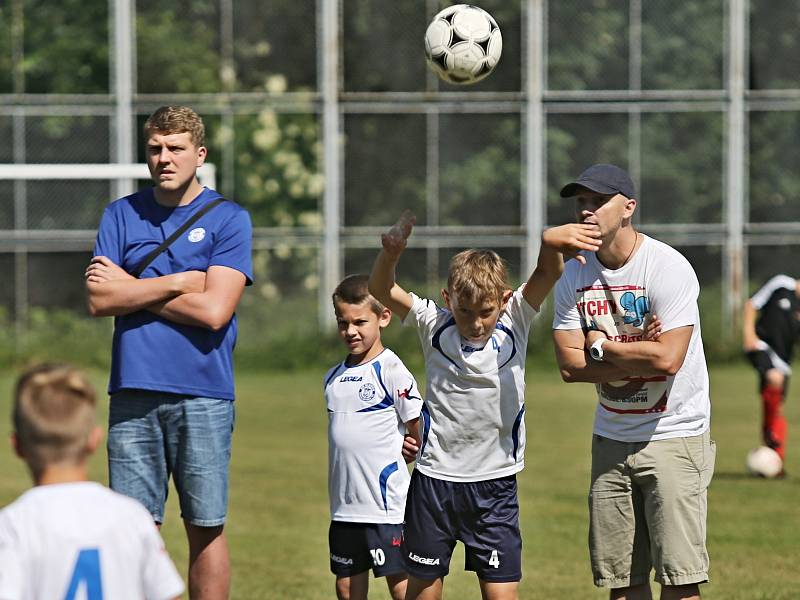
[(278, 520)]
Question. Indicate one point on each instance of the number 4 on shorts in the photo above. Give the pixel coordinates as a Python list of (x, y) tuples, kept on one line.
[(494, 560)]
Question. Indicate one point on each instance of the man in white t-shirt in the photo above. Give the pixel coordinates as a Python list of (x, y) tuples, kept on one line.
[(69, 538), (627, 320)]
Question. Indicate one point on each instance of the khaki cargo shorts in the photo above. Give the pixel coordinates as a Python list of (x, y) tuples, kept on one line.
[(647, 506)]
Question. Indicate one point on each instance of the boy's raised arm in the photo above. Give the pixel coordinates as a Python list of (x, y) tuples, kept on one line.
[(568, 240), (382, 284)]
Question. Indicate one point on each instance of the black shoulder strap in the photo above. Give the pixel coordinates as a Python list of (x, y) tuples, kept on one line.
[(175, 235)]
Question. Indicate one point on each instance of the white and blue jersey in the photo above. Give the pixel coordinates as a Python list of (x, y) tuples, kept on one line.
[(368, 405), (152, 353), (473, 425), (81, 540)]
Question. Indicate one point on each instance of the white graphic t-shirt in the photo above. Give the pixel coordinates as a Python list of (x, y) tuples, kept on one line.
[(368, 406), (658, 280), (81, 540), (473, 427)]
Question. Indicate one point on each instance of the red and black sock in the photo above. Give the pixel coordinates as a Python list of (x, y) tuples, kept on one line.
[(774, 423)]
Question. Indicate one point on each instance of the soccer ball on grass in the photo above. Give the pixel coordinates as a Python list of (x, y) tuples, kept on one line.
[(463, 44), (764, 462)]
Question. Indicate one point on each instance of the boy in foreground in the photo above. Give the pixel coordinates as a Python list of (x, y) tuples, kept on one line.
[(67, 533), (373, 400), (464, 485)]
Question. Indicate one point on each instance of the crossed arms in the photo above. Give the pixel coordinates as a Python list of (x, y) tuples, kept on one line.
[(190, 298), (658, 354)]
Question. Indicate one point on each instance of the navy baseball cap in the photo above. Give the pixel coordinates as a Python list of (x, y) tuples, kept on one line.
[(604, 179)]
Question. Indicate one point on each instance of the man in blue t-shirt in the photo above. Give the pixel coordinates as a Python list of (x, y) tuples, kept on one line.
[(171, 384)]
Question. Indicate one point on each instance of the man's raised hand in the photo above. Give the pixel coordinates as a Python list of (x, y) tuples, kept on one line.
[(572, 238)]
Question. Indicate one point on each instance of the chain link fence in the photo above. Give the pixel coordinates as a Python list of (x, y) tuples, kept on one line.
[(324, 122)]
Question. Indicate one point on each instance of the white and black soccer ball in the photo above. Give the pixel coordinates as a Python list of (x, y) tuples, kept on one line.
[(764, 462), (463, 44)]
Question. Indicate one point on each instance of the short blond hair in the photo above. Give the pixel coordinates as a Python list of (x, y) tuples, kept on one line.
[(476, 275), (354, 289), (176, 119), (53, 415)]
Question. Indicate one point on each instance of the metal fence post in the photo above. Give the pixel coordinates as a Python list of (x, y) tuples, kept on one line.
[(734, 258), (328, 57), (534, 201), (122, 68)]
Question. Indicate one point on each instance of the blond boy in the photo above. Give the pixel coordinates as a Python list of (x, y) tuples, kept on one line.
[(372, 400), (68, 534), (464, 485)]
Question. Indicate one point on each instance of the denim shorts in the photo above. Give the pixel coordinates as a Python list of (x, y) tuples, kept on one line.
[(155, 435)]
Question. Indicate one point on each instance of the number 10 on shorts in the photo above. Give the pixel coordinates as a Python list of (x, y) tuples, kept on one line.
[(494, 560)]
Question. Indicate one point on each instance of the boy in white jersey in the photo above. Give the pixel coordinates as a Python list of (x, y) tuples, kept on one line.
[(67, 537), (464, 484), (373, 400), (652, 455)]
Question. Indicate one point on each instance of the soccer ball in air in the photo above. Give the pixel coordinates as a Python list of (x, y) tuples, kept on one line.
[(463, 44), (764, 462)]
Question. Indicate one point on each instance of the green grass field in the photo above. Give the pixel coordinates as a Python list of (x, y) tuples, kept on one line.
[(278, 516)]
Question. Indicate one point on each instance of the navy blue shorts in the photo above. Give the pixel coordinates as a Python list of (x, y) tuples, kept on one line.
[(483, 515), (359, 547)]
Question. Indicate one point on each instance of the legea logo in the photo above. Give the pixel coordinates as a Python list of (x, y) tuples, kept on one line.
[(423, 560), (197, 234)]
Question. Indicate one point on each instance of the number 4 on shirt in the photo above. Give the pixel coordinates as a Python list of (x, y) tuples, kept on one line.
[(87, 571)]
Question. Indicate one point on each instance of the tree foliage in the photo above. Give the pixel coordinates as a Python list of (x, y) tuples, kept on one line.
[(182, 48), (65, 46)]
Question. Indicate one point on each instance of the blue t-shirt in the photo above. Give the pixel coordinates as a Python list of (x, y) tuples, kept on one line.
[(150, 352)]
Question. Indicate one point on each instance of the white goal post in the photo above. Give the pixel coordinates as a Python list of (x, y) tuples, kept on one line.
[(207, 174)]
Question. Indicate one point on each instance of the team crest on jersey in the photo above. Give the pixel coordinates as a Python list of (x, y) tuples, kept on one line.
[(197, 234), (366, 392)]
